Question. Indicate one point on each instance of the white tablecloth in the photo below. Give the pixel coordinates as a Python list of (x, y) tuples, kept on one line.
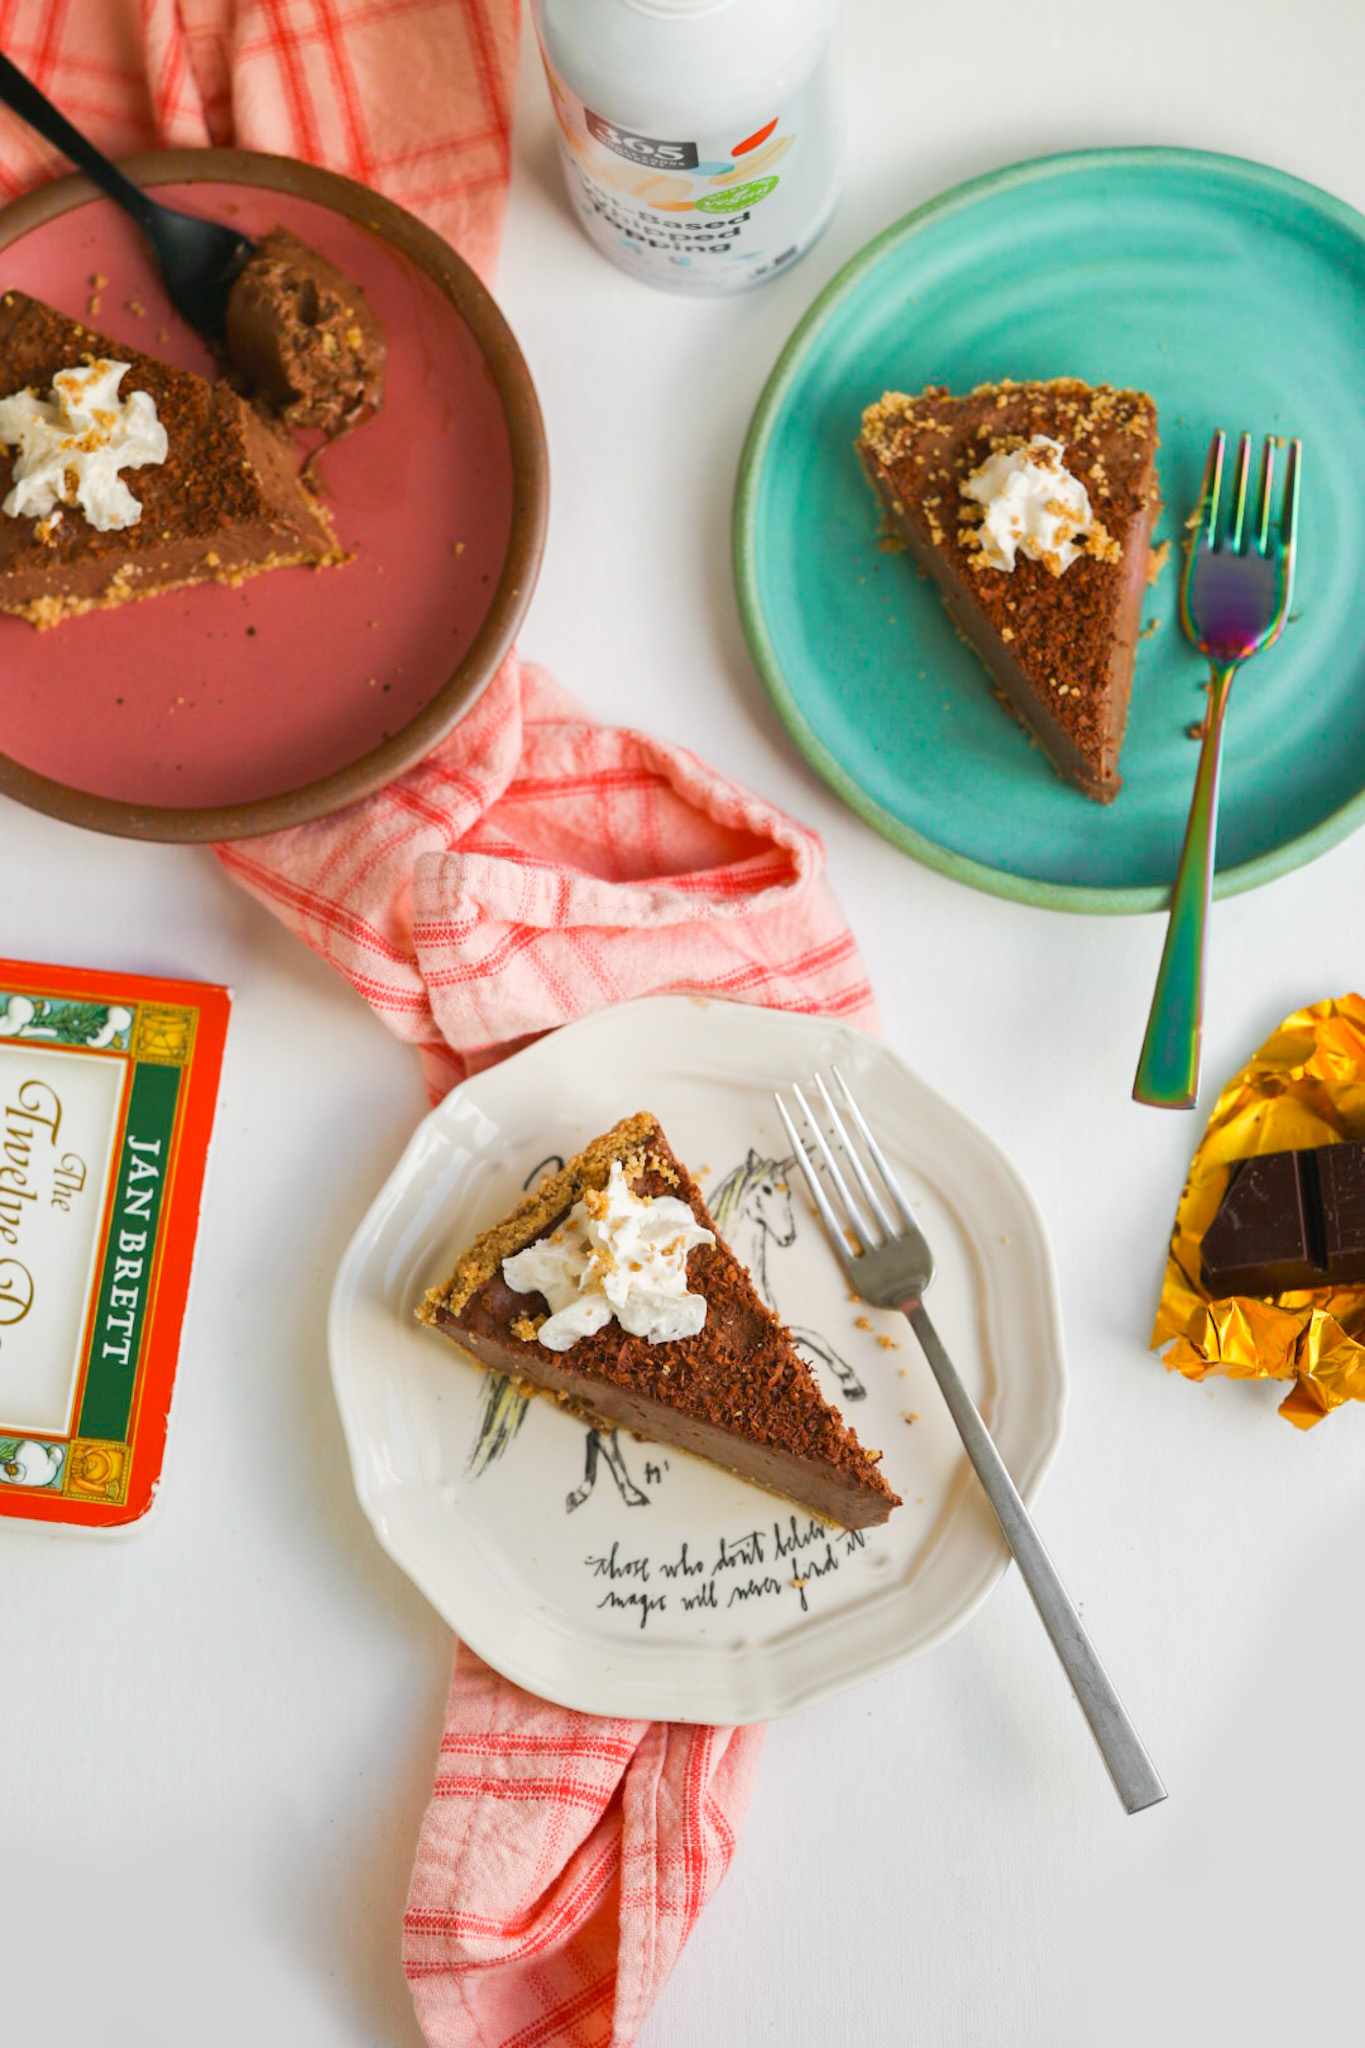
[(216, 1738)]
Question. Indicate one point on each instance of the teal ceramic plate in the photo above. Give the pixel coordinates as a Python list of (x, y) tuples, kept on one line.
[(1236, 296)]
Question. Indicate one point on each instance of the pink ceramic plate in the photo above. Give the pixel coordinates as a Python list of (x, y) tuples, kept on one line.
[(216, 713)]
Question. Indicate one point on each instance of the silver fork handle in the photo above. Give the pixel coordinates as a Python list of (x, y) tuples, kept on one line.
[(1132, 1770)]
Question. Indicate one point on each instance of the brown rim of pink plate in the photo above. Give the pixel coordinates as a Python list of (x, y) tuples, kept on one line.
[(526, 542)]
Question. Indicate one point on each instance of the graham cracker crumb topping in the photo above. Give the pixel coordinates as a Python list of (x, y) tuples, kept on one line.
[(537, 1211)]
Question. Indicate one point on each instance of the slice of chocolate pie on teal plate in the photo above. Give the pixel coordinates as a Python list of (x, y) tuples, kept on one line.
[(1032, 506)]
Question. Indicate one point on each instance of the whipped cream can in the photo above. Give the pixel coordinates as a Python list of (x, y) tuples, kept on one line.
[(702, 140)]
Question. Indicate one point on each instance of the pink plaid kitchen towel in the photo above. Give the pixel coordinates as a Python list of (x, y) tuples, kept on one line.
[(563, 1862), (413, 97), (536, 866)]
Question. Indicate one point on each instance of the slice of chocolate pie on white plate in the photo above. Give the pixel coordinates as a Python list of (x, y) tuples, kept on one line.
[(610, 1288)]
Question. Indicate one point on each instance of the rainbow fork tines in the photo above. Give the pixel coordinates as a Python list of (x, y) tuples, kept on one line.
[(1234, 601)]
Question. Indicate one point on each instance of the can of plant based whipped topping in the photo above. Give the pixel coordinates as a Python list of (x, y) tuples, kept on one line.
[(702, 140)]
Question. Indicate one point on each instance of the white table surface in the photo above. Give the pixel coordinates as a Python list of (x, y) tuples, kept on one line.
[(216, 1738)]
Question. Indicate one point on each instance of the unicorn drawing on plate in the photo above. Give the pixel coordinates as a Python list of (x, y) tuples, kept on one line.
[(752, 1206), (502, 1410)]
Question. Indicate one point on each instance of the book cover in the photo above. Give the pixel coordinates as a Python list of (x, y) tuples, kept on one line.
[(108, 1087)]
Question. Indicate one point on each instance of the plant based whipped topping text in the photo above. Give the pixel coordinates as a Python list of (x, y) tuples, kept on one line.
[(73, 445), (1033, 505), (615, 1254)]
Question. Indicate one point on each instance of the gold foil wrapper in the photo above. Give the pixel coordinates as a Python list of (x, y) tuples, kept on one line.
[(1305, 1087)]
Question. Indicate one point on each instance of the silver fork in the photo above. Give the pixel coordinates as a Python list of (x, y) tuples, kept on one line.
[(891, 1268)]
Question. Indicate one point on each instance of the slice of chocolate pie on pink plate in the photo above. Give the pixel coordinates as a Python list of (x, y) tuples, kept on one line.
[(122, 477)]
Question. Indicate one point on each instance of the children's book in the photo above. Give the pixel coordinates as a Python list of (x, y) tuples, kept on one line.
[(108, 1086)]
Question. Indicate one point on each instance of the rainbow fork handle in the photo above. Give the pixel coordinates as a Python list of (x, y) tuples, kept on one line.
[(1168, 1070)]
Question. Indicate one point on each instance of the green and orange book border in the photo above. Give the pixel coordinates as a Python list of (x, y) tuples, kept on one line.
[(169, 1036)]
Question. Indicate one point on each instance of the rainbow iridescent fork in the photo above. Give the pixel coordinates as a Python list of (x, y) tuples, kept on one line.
[(1234, 600)]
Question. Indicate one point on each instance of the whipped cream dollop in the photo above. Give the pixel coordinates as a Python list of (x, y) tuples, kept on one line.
[(73, 445), (615, 1254), (1033, 506)]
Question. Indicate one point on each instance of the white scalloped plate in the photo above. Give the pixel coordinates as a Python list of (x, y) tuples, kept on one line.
[(621, 1579)]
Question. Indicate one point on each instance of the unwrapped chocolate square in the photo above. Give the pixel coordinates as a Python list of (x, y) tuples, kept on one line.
[(1266, 1237), (1287, 1221)]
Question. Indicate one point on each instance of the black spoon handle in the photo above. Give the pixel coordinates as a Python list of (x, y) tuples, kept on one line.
[(23, 97)]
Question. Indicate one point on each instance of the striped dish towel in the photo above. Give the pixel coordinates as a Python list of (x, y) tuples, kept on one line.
[(413, 97), (536, 866), (563, 1862)]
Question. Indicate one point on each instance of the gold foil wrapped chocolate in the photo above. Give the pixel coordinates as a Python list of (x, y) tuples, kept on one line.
[(1306, 1086)]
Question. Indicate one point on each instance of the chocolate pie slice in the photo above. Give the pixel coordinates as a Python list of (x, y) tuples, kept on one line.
[(724, 1381), (222, 502), (1032, 507)]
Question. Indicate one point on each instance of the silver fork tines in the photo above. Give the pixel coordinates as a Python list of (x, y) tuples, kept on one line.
[(886, 1282), (850, 1152), (886, 1259), (854, 1220), (879, 1159)]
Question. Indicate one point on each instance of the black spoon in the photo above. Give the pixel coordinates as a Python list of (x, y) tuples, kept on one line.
[(199, 259)]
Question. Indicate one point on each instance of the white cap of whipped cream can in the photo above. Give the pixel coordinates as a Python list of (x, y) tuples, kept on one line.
[(702, 140)]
